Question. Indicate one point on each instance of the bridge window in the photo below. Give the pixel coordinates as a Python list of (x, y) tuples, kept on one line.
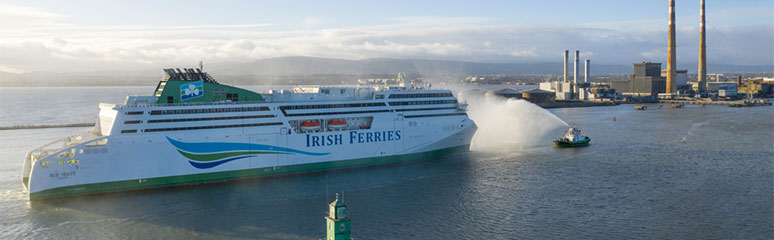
[(232, 96)]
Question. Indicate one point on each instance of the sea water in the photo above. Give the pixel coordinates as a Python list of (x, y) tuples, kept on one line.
[(688, 173)]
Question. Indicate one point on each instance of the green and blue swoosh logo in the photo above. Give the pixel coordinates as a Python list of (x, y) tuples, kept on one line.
[(205, 155)]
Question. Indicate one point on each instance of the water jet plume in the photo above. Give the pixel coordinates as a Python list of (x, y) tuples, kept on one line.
[(507, 123)]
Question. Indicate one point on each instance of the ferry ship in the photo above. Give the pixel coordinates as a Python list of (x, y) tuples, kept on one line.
[(195, 130)]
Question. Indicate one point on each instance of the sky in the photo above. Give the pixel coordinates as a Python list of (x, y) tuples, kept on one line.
[(78, 36)]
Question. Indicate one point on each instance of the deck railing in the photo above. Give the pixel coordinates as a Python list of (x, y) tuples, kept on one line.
[(57, 146)]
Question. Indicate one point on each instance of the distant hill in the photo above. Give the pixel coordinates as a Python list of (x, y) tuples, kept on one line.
[(728, 68), (106, 78), (311, 70), (310, 65)]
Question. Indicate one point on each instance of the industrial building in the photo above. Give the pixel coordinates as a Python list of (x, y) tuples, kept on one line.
[(508, 93), (561, 90), (533, 95), (646, 81), (538, 96), (681, 79), (569, 90), (602, 92), (758, 88), (727, 91)]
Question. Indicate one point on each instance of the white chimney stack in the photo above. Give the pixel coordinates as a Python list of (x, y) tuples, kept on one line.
[(577, 53), (586, 75), (566, 56)]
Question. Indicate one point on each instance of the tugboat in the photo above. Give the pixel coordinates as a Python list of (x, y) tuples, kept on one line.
[(573, 138)]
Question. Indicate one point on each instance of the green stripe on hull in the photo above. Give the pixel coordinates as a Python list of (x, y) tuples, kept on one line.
[(217, 156), (160, 182)]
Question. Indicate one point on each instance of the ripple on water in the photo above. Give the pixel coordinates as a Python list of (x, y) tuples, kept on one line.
[(638, 179)]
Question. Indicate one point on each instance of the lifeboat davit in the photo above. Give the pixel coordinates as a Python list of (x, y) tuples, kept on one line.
[(337, 124), (310, 126)]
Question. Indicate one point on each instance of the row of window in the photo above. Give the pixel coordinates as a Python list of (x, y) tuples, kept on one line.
[(333, 113), (279, 123), (420, 95), (208, 119), (328, 91), (344, 105), (211, 127), (436, 115), (234, 97), (424, 109), (424, 102), (208, 110)]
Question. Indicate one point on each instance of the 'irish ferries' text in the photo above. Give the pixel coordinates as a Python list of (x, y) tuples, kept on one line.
[(354, 137)]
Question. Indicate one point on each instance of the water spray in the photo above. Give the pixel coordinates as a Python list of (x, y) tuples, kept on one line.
[(507, 123)]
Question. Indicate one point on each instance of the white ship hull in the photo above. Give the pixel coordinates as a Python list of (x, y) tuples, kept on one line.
[(147, 151)]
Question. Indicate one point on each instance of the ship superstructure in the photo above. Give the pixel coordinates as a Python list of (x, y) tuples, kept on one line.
[(195, 130)]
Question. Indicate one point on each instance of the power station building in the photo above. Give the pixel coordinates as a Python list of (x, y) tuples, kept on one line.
[(576, 89), (646, 81), (681, 79)]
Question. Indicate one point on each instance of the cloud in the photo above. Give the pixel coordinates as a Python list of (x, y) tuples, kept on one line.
[(18, 18), (435, 20), (654, 54), (532, 52), (50, 43)]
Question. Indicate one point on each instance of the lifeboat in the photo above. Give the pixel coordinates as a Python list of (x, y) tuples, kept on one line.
[(310, 126), (337, 124)]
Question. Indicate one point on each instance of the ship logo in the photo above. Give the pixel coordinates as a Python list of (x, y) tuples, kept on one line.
[(191, 90), (203, 155)]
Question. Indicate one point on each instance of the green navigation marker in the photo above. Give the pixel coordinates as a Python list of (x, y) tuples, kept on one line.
[(338, 221)]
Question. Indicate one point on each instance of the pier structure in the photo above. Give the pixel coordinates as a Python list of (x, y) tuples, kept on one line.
[(740, 103)]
